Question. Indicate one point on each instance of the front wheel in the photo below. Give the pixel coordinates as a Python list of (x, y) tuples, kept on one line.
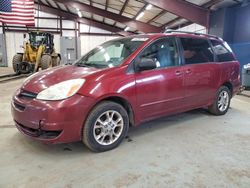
[(46, 62), (105, 127), (55, 61), (222, 101), (17, 59)]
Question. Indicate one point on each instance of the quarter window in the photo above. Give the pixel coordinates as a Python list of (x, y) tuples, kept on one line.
[(196, 51), (222, 51), (163, 52)]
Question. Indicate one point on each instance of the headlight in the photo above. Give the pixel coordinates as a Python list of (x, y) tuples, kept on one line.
[(61, 90)]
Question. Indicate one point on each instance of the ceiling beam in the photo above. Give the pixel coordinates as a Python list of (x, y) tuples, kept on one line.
[(140, 10), (184, 9), (207, 5), (144, 27), (157, 16), (123, 7), (182, 25), (170, 23), (86, 21), (106, 4), (48, 3)]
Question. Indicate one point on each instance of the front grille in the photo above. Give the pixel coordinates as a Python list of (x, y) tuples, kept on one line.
[(28, 130), (19, 106), (38, 132), (27, 94)]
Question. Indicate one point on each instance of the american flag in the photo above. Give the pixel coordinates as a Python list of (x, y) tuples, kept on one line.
[(19, 12)]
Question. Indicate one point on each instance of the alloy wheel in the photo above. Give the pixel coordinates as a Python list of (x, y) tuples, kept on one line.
[(223, 101), (108, 127)]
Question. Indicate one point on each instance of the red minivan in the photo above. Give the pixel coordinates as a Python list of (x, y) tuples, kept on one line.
[(123, 83)]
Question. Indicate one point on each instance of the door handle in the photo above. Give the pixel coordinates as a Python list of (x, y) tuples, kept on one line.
[(188, 71), (178, 73)]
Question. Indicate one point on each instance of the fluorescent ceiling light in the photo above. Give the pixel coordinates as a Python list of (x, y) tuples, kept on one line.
[(79, 14), (126, 29), (148, 7), (140, 15)]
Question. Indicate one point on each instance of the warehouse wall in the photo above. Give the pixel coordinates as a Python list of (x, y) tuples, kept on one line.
[(90, 42), (194, 28), (241, 35), (15, 39), (232, 24)]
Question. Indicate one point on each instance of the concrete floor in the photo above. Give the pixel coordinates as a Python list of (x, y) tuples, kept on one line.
[(193, 149)]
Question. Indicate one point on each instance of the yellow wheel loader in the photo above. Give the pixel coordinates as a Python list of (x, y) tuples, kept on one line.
[(38, 53)]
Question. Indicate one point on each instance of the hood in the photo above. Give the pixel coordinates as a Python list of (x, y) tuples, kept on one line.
[(44, 79)]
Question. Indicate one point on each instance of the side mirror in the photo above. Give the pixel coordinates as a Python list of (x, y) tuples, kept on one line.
[(146, 64)]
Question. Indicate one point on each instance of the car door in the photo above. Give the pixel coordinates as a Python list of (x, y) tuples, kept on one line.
[(160, 90), (200, 71)]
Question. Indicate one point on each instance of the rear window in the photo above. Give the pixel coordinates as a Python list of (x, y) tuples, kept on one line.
[(222, 51), (196, 51)]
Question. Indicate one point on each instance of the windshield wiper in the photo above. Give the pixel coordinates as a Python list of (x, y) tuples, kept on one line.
[(82, 64), (96, 65), (86, 64)]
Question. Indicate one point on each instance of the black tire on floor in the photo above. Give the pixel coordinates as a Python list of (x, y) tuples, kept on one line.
[(55, 61), (88, 130), (16, 59), (214, 108), (46, 62)]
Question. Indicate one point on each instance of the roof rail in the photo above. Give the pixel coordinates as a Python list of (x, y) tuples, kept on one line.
[(194, 33)]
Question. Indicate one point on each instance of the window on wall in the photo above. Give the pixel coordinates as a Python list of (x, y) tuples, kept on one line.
[(196, 51), (222, 51), (163, 52)]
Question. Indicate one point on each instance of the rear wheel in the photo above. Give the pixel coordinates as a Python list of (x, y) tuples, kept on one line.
[(16, 59), (105, 127), (55, 61), (222, 101), (46, 62)]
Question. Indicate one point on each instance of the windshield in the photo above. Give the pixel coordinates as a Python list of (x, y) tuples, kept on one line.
[(37, 39), (112, 53)]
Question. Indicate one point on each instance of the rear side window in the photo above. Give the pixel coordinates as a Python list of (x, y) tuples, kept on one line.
[(196, 51), (222, 51)]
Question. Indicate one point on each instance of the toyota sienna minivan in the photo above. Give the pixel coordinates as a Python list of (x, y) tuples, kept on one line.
[(123, 83)]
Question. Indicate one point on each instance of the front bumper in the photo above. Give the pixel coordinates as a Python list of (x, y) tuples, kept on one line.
[(51, 121)]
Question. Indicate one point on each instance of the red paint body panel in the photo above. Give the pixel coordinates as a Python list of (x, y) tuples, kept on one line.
[(200, 78), (44, 79), (66, 116), (158, 92), (151, 94)]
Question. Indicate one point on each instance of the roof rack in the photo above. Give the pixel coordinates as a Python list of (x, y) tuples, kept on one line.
[(194, 33)]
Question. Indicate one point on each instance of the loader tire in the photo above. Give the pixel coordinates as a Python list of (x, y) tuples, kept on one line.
[(56, 61), (16, 59), (46, 62)]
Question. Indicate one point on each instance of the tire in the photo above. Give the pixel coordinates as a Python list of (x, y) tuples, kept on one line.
[(221, 104), (46, 62), (25, 68), (96, 134), (16, 59), (55, 61)]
